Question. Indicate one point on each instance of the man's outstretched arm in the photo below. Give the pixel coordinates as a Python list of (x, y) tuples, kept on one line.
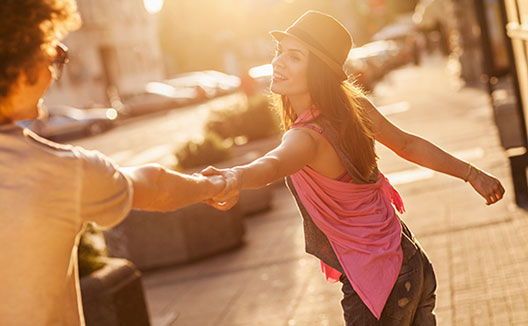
[(159, 189)]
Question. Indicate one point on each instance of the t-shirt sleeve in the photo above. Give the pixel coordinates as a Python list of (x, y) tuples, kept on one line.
[(106, 196)]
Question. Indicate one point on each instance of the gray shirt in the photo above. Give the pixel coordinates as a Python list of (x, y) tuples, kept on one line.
[(47, 192)]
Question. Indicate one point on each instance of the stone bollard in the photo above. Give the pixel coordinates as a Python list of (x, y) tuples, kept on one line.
[(113, 295)]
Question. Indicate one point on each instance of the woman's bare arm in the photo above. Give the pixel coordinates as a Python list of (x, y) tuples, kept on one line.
[(297, 149), (424, 153)]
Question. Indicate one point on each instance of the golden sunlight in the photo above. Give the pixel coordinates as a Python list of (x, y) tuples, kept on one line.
[(153, 6)]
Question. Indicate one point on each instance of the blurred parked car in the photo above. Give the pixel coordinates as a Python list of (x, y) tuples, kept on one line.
[(370, 62), (262, 74), (157, 96), (208, 83), (62, 120), (405, 36), (225, 84)]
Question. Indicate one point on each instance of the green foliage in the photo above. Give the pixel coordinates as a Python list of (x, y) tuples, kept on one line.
[(254, 122), (236, 124), (209, 150), (92, 250)]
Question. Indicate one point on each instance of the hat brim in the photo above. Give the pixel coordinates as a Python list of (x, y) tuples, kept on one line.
[(279, 35)]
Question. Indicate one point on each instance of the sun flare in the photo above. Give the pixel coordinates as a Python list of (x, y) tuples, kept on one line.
[(153, 6)]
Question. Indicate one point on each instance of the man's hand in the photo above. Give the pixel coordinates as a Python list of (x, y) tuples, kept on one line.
[(228, 197), (216, 183), (159, 189)]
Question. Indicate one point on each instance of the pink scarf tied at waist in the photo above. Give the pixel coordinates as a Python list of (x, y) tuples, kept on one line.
[(362, 227)]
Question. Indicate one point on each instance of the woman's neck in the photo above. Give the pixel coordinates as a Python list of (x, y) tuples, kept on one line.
[(300, 103)]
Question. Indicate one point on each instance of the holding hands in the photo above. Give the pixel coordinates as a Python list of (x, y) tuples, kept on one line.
[(228, 197)]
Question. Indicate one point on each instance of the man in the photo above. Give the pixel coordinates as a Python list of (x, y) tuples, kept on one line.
[(47, 190)]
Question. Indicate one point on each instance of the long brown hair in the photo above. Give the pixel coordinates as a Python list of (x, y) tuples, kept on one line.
[(339, 104)]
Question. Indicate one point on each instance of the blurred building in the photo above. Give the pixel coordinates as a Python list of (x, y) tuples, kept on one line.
[(504, 39), (116, 49), (432, 18), (467, 41), (454, 26), (232, 35)]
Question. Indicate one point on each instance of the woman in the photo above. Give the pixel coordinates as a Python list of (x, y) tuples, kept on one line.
[(328, 154)]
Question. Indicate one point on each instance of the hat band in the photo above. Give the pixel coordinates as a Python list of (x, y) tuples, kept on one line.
[(311, 41)]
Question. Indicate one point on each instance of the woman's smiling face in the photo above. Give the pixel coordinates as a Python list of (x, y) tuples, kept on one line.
[(290, 67)]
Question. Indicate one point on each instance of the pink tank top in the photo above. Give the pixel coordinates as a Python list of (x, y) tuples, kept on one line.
[(361, 225)]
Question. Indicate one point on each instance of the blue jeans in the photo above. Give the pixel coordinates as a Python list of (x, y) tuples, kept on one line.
[(411, 301)]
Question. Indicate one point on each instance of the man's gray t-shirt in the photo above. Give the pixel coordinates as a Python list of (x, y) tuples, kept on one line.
[(47, 192)]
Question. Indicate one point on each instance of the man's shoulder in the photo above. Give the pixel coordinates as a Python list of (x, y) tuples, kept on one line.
[(46, 143), (63, 150)]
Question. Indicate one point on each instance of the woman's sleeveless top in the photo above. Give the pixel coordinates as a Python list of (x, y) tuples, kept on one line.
[(351, 226)]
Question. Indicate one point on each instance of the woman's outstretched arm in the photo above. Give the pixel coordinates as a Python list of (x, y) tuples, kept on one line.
[(422, 152), (297, 149)]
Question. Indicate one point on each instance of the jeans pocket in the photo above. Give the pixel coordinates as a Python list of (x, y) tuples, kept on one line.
[(405, 295)]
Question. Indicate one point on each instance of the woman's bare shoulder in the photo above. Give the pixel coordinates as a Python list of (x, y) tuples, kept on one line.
[(312, 129)]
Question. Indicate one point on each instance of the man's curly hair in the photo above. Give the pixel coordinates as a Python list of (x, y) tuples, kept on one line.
[(29, 28)]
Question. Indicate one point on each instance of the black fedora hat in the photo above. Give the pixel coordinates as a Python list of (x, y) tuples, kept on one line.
[(324, 36)]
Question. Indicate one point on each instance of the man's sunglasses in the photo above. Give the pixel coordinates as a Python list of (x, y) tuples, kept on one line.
[(58, 63)]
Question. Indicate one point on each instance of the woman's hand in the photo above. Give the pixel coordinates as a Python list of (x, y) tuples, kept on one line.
[(228, 197), (214, 184), (486, 185)]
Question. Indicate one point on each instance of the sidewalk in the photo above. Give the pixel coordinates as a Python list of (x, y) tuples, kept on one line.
[(480, 253)]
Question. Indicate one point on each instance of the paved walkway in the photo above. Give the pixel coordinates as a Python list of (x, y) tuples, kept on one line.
[(480, 253)]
